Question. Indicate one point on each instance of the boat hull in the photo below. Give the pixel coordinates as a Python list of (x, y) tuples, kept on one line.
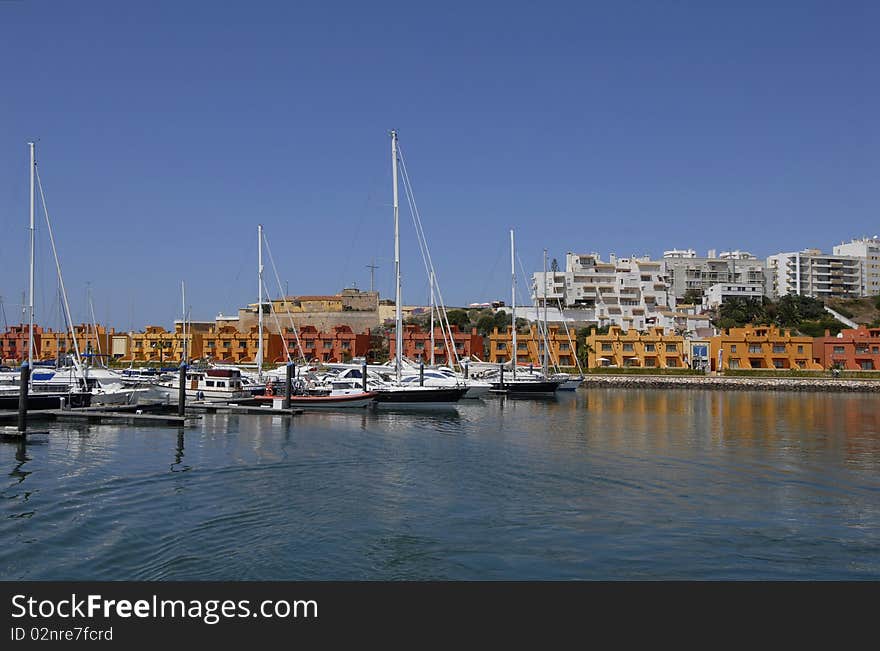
[(47, 401), (441, 398), (526, 389)]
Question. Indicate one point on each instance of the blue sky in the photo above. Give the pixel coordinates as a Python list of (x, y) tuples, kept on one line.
[(168, 130)]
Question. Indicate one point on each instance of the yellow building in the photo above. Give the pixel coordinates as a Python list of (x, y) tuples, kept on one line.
[(762, 347), (90, 339), (651, 349), (530, 347), (154, 344), (299, 304)]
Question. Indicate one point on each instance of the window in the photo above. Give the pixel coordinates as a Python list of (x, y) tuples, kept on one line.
[(420, 345), (502, 345), (866, 365), (672, 363), (563, 346), (209, 383), (839, 350), (781, 349), (650, 348), (733, 349), (227, 344), (800, 350), (651, 361), (628, 348), (755, 348), (346, 345), (210, 344), (328, 345), (242, 344), (778, 363), (606, 347), (671, 348), (520, 346), (733, 363)]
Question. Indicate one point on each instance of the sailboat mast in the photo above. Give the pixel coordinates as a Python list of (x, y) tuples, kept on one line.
[(398, 315), (512, 306), (432, 320), (546, 329), (185, 359), (31, 283), (260, 304)]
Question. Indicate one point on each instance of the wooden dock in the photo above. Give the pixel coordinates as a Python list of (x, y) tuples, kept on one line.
[(224, 408), (91, 414)]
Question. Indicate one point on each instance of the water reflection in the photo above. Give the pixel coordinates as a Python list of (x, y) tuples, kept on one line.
[(599, 483)]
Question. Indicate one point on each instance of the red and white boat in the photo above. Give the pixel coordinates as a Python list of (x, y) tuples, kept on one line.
[(341, 394)]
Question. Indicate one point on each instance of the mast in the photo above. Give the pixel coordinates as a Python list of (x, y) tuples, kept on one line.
[(260, 305), (185, 358), (513, 306), (546, 329), (398, 328), (432, 320), (31, 284)]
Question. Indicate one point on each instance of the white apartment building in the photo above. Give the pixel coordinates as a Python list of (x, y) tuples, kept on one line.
[(628, 292), (813, 273), (868, 249), (723, 292), (687, 271)]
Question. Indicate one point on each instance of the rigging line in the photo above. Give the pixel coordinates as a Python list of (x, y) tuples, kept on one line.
[(286, 308), (78, 360), (278, 324), (422, 241), (573, 348), (426, 256), (544, 332), (441, 308)]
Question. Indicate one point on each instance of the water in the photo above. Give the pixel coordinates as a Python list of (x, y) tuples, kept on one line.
[(601, 484)]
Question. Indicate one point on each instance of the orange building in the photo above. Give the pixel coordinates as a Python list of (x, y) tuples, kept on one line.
[(761, 346), (530, 347), (226, 344), (854, 350), (651, 349), (417, 344), (90, 340), (338, 345), (14, 343), (154, 344)]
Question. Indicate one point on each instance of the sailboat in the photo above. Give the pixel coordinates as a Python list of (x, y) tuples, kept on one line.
[(73, 393), (394, 393), (528, 383)]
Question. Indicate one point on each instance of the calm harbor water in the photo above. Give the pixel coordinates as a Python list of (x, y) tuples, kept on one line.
[(601, 484)]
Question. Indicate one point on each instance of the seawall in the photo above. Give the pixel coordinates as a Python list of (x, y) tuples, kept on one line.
[(731, 383)]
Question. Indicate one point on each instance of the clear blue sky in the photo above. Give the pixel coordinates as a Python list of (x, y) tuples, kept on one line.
[(168, 130)]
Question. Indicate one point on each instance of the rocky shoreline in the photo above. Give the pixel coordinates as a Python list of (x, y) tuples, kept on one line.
[(730, 383)]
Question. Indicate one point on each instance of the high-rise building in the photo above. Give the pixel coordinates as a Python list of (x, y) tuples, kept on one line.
[(868, 249), (686, 271), (813, 273)]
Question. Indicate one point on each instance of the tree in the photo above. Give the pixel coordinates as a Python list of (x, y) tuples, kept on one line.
[(554, 266), (693, 297), (485, 324), (459, 318)]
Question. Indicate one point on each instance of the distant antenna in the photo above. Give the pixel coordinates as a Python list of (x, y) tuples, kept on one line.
[(372, 267)]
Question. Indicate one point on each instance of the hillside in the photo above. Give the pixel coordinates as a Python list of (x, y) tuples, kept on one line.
[(861, 310)]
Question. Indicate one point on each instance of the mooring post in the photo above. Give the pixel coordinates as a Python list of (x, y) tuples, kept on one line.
[(364, 376), (288, 384), (24, 381), (181, 391), (502, 376), (421, 373)]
